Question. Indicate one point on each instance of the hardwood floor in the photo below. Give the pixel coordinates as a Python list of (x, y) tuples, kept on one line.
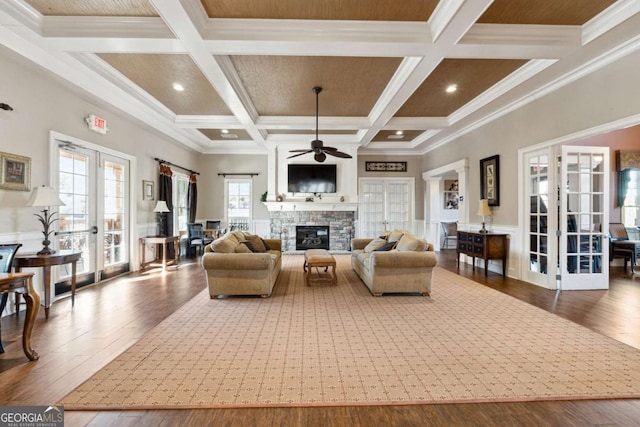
[(75, 342)]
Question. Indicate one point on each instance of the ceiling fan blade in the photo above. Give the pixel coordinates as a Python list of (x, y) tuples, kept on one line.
[(304, 150), (338, 154), (296, 155), (330, 148)]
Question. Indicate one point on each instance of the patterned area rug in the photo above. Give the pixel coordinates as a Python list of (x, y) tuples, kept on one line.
[(339, 345)]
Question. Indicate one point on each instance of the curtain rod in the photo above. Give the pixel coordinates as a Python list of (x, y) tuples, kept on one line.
[(251, 174), (177, 166)]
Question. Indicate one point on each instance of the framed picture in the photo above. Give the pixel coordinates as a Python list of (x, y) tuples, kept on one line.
[(385, 166), (147, 190), (15, 172), (490, 180)]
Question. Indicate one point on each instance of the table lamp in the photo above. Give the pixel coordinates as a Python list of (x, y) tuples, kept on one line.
[(484, 211), (45, 197), (161, 208)]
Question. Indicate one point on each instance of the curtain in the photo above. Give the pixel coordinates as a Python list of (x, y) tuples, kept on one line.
[(165, 192), (624, 177), (192, 198)]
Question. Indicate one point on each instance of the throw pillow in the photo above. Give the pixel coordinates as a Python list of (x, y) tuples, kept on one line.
[(387, 246), (247, 244), (256, 242), (266, 245), (408, 243), (395, 235), (225, 246), (375, 244), (243, 248)]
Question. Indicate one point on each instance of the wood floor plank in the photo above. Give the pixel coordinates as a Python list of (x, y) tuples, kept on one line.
[(77, 341)]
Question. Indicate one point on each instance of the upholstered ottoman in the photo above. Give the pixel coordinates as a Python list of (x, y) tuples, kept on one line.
[(319, 258)]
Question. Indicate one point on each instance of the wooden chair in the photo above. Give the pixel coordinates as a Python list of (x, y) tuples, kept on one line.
[(7, 253), (450, 233), (622, 246)]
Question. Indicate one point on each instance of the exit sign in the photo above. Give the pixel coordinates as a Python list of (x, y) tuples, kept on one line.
[(97, 124)]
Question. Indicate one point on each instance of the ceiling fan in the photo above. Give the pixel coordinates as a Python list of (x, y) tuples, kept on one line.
[(317, 145)]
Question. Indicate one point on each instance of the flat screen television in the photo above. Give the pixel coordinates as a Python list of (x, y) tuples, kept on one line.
[(312, 178)]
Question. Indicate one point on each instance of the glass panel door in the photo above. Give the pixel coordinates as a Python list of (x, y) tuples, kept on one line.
[(115, 256), (371, 212), (385, 204), (398, 206), (540, 240), (78, 215), (584, 218)]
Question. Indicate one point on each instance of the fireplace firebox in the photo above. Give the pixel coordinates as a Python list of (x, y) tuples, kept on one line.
[(312, 237)]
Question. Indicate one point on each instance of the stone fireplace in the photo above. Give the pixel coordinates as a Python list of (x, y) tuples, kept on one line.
[(335, 227)]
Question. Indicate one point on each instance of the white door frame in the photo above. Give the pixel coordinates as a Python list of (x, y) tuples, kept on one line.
[(433, 196), (54, 137)]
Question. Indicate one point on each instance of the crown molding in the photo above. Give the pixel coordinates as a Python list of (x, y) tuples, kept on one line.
[(23, 14), (230, 72), (106, 26), (309, 122), (611, 17), (207, 122), (320, 30), (416, 123), (442, 16)]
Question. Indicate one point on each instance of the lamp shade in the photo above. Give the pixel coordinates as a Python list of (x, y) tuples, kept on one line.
[(161, 206), (483, 208), (44, 196)]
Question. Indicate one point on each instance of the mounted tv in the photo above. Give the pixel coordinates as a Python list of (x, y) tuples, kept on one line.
[(314, 178)]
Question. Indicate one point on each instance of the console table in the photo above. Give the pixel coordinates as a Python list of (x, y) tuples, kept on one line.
[(46, 262), (162, 241), (483, 245), (22, 283)]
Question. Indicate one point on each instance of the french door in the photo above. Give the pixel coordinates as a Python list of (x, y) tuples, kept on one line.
[(541, 219), (385, 204), (94, 220), (584, 217)]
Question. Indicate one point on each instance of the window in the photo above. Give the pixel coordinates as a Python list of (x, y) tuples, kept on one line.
[(631, 207), (238, 203), (180, 206)]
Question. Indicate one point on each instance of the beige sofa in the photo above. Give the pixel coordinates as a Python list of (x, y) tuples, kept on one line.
[(233, 269), (404, 267)]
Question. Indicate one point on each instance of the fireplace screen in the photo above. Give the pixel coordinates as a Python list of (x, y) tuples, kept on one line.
[(312, 237)]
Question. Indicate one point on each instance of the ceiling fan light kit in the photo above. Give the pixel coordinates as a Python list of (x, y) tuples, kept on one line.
[(317, 146)]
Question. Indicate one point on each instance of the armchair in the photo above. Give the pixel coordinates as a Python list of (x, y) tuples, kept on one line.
[(622, 246), (196, 238)]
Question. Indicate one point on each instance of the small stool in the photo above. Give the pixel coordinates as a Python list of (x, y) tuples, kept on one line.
[(319, 258)]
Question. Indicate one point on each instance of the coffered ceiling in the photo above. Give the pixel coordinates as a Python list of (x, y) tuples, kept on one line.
[(398, 76)]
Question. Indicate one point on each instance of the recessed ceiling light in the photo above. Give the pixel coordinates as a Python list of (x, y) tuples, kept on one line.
[(225, 131), (452, 88), (399, 132), (178, 87)]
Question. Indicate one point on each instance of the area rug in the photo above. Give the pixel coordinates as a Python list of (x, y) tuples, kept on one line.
[(338, 345)]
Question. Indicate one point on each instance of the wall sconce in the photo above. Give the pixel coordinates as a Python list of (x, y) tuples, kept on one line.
[(45, 197), (484, 211)]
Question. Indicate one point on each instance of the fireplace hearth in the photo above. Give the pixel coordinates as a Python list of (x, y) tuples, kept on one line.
[(312, 237)]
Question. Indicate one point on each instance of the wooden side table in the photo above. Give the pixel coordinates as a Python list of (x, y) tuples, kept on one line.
[(163, 241), (483, 245), (46, 262), (22, 283)]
